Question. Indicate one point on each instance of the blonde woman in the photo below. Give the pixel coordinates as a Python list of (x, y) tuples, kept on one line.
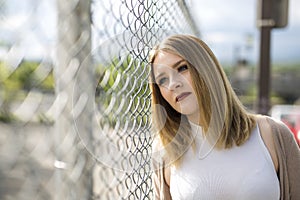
[(208, 145)]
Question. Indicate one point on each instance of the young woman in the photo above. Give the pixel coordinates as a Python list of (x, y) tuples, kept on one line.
[(208, 145)]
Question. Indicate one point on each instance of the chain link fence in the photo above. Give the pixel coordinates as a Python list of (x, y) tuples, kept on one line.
[(74, 96)]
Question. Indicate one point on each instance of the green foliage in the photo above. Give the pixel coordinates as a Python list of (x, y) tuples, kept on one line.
[(15, 83), (123, 91), (25, 77), (286, 68), (283, 78), (47, 85)]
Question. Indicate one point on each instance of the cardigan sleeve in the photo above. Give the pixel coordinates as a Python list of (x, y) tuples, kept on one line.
[(161, 189), (288, 154)]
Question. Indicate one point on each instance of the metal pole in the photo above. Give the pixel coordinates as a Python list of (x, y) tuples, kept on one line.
[(266, 25), (73, 80)]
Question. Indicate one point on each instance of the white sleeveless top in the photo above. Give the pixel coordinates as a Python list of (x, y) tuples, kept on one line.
[(239, 173)]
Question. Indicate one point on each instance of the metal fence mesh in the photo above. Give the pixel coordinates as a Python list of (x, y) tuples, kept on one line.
[(75, 121)]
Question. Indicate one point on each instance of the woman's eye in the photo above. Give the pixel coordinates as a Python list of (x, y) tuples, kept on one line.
[(182, 68), (161, 81)]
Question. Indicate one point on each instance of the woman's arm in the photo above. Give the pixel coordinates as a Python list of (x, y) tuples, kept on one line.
[(161, 188), (267, 136), (288, 153)]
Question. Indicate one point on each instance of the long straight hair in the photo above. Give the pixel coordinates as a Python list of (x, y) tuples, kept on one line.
[(223, 118)]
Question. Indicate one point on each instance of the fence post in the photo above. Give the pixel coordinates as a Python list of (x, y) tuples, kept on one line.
[(265, 24), (73, 175)]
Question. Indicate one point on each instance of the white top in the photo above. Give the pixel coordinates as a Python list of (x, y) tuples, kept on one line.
[(239, 173)]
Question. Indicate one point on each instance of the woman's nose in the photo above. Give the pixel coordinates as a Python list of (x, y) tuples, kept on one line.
[(175, 83)]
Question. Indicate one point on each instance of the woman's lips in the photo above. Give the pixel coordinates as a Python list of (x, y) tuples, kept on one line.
[(182, 96)]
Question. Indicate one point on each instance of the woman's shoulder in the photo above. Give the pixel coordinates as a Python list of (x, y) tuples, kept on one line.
[(276, 128), (270, 121), (156, 145), (158, 151), (267, 136)]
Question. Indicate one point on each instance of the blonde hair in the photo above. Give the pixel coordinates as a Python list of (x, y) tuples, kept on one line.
[(223, 118)]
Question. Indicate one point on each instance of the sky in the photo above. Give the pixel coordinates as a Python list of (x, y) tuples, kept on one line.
[(229, 27), (30, 27)]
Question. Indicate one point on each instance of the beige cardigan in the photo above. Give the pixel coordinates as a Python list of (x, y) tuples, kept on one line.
[(288, 154)]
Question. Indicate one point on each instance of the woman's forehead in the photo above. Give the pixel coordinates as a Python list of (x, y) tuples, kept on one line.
[(164, 58)]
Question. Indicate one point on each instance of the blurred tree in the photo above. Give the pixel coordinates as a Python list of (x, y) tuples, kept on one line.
[(14, 85)]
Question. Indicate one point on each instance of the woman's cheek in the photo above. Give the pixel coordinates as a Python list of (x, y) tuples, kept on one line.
[(165, 94)]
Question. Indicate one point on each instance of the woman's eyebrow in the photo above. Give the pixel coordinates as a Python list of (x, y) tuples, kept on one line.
[(173, 66), (177, 63), (159, 75)]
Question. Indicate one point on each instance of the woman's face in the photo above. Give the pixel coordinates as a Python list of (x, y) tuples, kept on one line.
[(172, 75)]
